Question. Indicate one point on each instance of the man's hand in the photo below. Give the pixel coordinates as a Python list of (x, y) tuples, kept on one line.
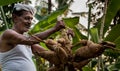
[(47, 33), (59, 25)]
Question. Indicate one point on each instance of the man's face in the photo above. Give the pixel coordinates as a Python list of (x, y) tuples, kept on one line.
[(23, 22)]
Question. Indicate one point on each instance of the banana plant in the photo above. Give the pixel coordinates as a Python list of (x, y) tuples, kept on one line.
[(113, 34), (48, 21), (7, 2), (5, 11)]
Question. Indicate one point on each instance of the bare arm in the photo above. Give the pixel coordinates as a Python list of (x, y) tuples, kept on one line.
[(45, 34), (12, 37), (36, 48)]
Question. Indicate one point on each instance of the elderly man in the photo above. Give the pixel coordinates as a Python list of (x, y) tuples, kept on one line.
[(15, 48)]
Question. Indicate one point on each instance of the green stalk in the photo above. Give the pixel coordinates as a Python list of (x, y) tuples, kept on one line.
[(89, 19), (3, 16), (88, 27), (103, 21), (100, 60)]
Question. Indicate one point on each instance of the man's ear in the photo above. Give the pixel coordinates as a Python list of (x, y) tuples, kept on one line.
[(14, 16)]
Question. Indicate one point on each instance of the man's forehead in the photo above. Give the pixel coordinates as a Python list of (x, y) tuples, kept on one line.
[(27, 13)]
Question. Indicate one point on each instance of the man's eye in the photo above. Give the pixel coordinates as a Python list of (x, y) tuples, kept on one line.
[(28, 18)]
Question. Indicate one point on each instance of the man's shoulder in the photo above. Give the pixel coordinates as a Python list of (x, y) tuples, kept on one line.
[(7, 33)]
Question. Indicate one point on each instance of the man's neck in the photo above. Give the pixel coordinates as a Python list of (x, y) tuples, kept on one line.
[(17, 30)]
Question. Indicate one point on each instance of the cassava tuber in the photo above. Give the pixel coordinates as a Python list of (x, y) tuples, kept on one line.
[(61, 55), (55, 68), (51, 44), (91, 50), (50, 56), (56, 47), (79, 65)]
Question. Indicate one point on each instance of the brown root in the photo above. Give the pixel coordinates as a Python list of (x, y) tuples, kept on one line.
[(87, 51), (56, 68), (51, 56), (51, 44), (53, 69), (61, 55), (79, 65), (61, 41), (91, 50)]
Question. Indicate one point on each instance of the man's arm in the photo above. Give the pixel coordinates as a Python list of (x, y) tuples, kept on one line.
[(57, 27), (12, 37), (36, 48), (43, 35)]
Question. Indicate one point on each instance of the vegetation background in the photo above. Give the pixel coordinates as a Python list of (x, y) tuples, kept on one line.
[(103, 25)]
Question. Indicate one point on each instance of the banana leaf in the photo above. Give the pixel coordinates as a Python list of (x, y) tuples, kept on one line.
[(112, 9), (6, 2), (113, 34), (48, 20), (94, 35), (71, 23)]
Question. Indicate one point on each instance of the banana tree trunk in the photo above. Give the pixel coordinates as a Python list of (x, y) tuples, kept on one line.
[(100, 59)]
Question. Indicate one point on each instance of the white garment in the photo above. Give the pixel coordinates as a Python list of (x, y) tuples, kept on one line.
[(19, 7), (17, 59)]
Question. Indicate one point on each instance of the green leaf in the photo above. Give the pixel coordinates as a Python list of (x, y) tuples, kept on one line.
[(94, 35), (112, 68), (112, 9), (113, 34), (48, 20), (117, 42), (111, 53), (71, 22), (117, 63), (78, 36), (57, 13), (6, 2), (87, 69)]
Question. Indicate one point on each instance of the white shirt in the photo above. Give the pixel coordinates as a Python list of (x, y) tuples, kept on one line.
[(17, 59)]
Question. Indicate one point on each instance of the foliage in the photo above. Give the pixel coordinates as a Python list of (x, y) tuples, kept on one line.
[(110, 33), (48, 20), (6, 2)]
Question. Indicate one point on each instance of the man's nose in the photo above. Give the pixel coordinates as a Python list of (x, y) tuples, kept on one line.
[(30, 21)]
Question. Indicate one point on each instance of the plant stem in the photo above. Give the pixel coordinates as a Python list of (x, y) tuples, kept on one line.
[(103, 21), (100, 60), (89, 20), (88, 27), (3, 16), (49, 6)]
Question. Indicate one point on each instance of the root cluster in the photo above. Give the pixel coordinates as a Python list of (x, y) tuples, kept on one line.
[(62, 56)]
